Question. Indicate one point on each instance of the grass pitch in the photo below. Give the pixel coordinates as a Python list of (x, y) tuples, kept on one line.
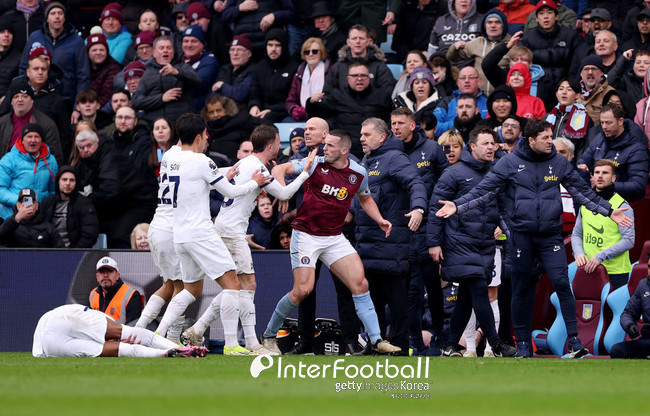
[(224, 386)]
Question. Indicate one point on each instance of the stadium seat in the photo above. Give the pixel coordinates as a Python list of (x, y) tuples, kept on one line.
[(643, 258), (285, 131), (396, 69), (386, 47), (590, 292), (102, 242)]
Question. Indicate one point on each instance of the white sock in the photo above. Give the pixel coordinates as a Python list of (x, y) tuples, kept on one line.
[(470, 333), (147, 338), (247, 316), (211, 314), (135, 350), (497, 320), (230, 316), (175, 309), (174, 331), (150, 311)]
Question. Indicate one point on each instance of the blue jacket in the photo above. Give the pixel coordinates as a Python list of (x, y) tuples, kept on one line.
[(207, 67), (467, 239), (630, 156), (429, 161), (68, 53), (397, 189), (532, 196), (118, 43), (20, 170), (638, 305), (445, 112)]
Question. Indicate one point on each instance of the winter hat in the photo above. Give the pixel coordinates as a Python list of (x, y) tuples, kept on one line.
[(32, 128), (197, 10), (297, 132), (242, 40), (54, 5), (422, 72), (5, 24), (195, 31), (134, 69), (38, 50), (144, 38), (112, 10), (20, 86), (96, 40), (594, 60), (497, 15)]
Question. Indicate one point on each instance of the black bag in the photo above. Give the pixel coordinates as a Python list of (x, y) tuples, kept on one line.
[(328, 339), (287, 335)]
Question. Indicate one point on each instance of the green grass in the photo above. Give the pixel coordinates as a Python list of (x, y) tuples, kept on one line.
[(223, 386)]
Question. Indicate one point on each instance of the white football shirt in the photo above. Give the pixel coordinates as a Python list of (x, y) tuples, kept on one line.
[(163, 219)]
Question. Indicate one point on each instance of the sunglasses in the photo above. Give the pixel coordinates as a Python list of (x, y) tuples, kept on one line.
[(308, 52)]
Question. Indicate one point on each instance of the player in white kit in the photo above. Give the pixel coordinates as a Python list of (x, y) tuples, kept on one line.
[(78, 331), (231, 224), (191, 175)]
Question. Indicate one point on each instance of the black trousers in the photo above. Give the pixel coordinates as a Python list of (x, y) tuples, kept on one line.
[(472, 294), (391, 290), (425, 274)]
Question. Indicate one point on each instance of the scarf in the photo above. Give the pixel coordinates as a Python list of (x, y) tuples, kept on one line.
[(576, 123), (587, 93), (27, 11), (19, 123), (312, 82)]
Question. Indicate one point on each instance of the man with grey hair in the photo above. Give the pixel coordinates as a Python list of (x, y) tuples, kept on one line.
[(606, 46), (401, 197), (122, 197), (165, 89)]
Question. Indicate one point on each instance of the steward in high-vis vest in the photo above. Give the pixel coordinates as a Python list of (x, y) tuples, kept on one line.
[(112, 296), (599, 240)]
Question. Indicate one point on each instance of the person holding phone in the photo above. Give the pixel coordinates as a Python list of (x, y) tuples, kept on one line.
[(28, 227)]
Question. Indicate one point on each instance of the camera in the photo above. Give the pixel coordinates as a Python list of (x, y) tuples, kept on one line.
[(28, 200)]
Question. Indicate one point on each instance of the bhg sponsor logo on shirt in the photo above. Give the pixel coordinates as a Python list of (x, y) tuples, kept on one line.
[(339, 193)]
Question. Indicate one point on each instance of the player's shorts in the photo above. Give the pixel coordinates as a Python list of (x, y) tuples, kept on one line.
[(306, 249), (164, 255), (240, 252), (70, 331), (496, 273), (206, 258)]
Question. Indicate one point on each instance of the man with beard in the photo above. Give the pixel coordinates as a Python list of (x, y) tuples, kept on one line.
[(72, 214), (133, 141), (594, 86), (467, 115), (510, 133)]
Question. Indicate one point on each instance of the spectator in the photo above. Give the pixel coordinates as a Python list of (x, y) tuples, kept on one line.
[(423, 95), (628, 79), (358, 48), (272, 78), (429, 124), (413, 60), (202, 61), (235, 78), (633, 16), (139, 239), (444, 74), (29, 163), (461, 23), (308, 79), (568, 118), (517, 12), (165, 89), (296, 139), (640, 40), (26, 17), (414, 25), (164, 138), (216, 33), (642, 117), (117, 36), (501, 104), (510, 133), (149, 29), (347, 108), (22, 112), (520, 80), (468, 83), (372, 14), (27, 228), (452, 144), (144, 52), (606, 46), (281, 238), (88, 108), (621, 144), (180, 22), (254, 18), (103, 67), (119, 98), (132, 141), (610, 247), (114, 297), (327, 29), (262, 223), (9, 55), (565, 17), (120, 195), (494, 30), (72, 214), (593, 86), (600, 20), (467, 115), (566, 148)]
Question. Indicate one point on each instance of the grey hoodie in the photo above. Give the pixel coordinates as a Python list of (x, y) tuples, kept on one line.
[(451, 28)]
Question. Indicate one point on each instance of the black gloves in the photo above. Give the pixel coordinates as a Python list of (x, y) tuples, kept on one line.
[(633, 331)]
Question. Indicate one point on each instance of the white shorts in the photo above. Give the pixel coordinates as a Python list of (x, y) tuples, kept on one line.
[(200, 259), (163, 253), (306, 249), (70, 331), (240, 252), (496, 272)]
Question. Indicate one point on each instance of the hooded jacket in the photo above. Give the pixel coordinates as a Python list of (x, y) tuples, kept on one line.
[(272, 79), (9, 61), (502, 91), (35, 232), (445, 112), (81, 219), (527, 105), (467, 239), (450, 28), (375, 60), (478, 48), (397, 189), (625, 79), (529, 181), (629, 154), (20, 170)]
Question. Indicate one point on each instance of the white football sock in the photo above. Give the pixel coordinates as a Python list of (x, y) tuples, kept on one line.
[(147, 338), (230, 316), (247, 316), (135, 350), (497, 320), (470, 333), (150, 311), (174, 331), (176, 308)]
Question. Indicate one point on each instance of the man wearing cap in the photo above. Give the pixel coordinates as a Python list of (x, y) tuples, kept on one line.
[(9, 55), (235, 78), (326, 28), (21, 96), (272, 78), (73, 215), (118, 38), (553, 45), (565, 17), (26, 17), (593, 86), (102, 67), (631, 18), (28, 164), (640, 38), (68, 52), (165, 89), (201, 60), (600, 19), (216, 33), (27, 228), (114, 297)]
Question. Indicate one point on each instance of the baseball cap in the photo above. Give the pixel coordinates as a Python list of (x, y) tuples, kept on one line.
[(26, 192), (600, 13), (546, 3), (107, 262)]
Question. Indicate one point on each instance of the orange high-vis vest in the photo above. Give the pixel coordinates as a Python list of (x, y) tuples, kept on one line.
[(116, 308)]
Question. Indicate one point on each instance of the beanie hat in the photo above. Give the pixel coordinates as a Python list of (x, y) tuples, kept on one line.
[(96, 40), (54, 5), (20, 86), (242, 40), (422, 72), (195, 31), (134, 69), (594, 60), (197, 10), (145, 37), (39, 50), (32, 128), (112, 10)]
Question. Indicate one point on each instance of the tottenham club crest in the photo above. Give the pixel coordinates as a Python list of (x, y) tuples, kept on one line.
[(423, 155), (550, 169), (376, 164), (353, 179)]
